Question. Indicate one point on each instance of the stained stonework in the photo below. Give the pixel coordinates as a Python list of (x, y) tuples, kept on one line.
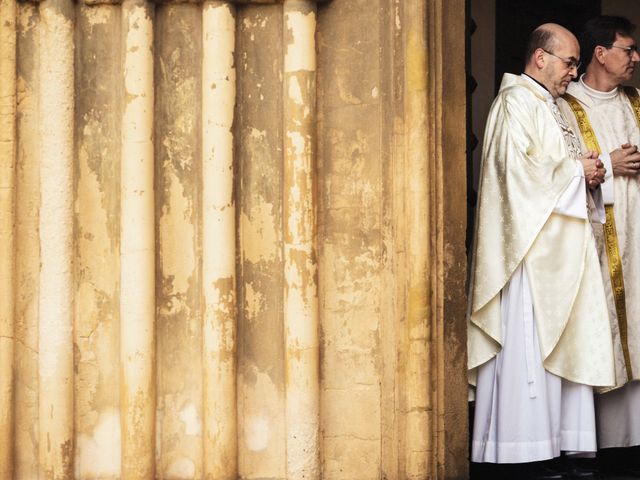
[(234, 240)]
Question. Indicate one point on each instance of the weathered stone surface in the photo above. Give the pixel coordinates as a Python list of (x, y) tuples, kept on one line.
[(351, 247), (259, 143), (219, 235), (178, 175), (451, 220), (56, 289), (97, 247), (302, 362), (8, 52), (316, 199), (27, 252), (137, 243)]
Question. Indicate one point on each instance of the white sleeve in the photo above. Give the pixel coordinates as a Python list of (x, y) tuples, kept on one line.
[(573, 201), (607, 186), (597, 203)]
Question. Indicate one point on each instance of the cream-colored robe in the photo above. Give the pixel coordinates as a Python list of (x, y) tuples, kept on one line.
[(614, 124), (526, 167)]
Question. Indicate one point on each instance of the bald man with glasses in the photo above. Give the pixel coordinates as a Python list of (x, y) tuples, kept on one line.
[(606, 115), (539, 338)]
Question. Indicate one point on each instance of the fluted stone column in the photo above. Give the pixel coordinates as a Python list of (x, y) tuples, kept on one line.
[(181, 241), (220, 443), (55, 344), (418, 419), (137, 250), (8, 12), (302, 363)]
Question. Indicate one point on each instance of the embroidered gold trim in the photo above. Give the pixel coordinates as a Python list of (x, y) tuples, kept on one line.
[(634, 99), (610, 232)]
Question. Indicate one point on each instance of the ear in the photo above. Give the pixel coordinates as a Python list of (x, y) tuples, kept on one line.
[(538, 58), (599, 54)]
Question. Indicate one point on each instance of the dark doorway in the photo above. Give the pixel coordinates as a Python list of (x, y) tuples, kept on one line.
[(516, 18)]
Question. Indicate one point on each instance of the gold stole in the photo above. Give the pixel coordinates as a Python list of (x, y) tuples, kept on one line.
[(610, 233)]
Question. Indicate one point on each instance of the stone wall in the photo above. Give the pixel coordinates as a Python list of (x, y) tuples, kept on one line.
[(232, 240)]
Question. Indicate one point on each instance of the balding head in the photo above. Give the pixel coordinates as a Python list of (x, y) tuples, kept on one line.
[(552, 56), (547, 37)]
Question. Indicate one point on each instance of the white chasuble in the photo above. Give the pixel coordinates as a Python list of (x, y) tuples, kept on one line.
[(526, 168), (614, 123), (542, 339)]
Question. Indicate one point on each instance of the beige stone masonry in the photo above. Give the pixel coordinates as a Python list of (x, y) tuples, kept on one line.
[(27, 251), (302, 355), (418, 401), (177, 132), (137, 247), (220, 442), (8, 14), (259, 185), (55, 329), (232, 240), (97, 247)]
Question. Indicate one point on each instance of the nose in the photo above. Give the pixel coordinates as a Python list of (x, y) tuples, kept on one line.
[(573, 70), (635, 57)]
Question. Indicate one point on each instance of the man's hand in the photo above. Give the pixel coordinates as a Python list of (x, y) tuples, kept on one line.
[(593, 169), (625, 160)]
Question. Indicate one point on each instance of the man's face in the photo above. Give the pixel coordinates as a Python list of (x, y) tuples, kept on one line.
[(619, 60), (561, 66)]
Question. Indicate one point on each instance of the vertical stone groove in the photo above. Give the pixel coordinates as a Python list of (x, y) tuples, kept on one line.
[(8, 13), (450, 220), (258, 142), (300, 267), (436, 353), (177, 131), (97, 244), (26, 393), (137, 251), (219, 243), (55, 344), (435, 46)]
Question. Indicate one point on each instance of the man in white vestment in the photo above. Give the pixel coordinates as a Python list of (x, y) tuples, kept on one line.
[(539, 338), (606, 116)]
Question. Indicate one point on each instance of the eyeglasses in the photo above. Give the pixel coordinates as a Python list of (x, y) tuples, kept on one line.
[(570, 62), (631, 49)]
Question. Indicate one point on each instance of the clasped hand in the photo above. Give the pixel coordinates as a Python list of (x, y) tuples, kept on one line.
[(625, 160), (593, 169)]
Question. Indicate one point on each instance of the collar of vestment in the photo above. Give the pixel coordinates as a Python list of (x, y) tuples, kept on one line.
[(587, 95), (573, 144), (539, 87), (592, 92), (510, 80)]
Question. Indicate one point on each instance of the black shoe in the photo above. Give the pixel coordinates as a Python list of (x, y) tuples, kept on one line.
[(498, 471), (581, 468), (538, 471), (577, 473), (515, 471)]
